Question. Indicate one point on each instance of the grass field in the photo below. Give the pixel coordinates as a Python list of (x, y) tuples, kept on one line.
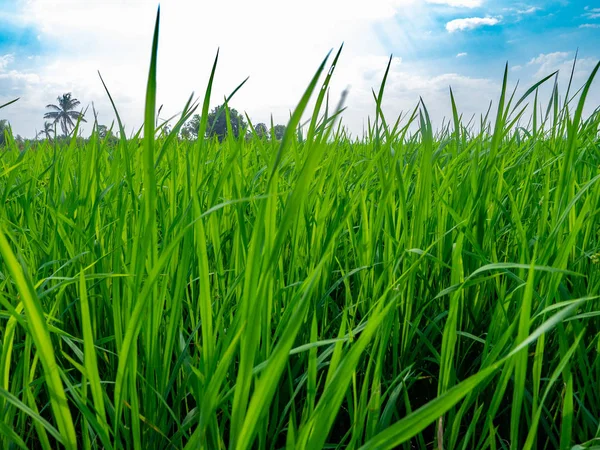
[(406, 290)]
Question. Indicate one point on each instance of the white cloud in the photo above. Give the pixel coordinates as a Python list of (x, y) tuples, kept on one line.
[(592, 13), (563, 63), (15, 75), (590, 25), (516, 68), (5, 61), (406, 84), (30, 78), (548, 62), (530, 10), (548, 58), (461, 54), (458, 3), (470, 23)]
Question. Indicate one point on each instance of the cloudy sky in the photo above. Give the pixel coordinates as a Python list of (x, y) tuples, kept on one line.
[(48, 48)]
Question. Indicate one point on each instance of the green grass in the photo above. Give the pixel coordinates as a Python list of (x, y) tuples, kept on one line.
[(406, 290)]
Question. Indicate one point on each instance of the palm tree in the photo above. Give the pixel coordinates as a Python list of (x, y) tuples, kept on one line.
[(48, 130), (64, 113)]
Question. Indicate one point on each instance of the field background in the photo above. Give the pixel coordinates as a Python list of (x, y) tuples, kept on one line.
[(406, 290)]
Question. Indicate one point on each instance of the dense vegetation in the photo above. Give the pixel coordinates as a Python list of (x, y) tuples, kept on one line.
[(409, 290)]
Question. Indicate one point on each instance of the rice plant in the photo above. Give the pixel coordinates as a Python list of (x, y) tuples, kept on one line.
[(409, 289)]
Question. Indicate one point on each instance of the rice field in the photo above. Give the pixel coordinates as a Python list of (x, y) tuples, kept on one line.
[(415, 288)]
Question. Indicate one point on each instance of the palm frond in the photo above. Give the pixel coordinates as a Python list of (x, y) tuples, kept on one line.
[(76, 115)]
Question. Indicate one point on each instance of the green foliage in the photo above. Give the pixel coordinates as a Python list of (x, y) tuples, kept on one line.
[(433, 290), (278, 132), (103, 131), (216, 124), (4, 128), (261, 130), (191, 128), (219, 125)]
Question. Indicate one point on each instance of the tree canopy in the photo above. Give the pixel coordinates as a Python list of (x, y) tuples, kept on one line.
[(261, 130), (278, 132), (191, 128), (217, 122)]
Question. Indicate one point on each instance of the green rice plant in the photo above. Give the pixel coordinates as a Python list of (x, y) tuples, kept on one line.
[(409, 289)]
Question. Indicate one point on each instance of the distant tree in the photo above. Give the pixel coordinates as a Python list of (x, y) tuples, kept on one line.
[(261, 130), (64, 113), (165, 130), (4, 125), (217, 123), (278, 132), (20, 141), (191, 128), (185, 133), (47, 132), (102, 131), (107, 135)]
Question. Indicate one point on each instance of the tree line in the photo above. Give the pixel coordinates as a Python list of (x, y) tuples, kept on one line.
[(217, 126), (65, 114)]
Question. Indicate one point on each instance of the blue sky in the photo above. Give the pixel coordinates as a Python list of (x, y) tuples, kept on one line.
[(48, 48)]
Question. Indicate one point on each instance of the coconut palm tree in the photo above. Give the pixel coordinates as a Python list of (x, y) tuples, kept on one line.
[(48, 131), (64, 113)]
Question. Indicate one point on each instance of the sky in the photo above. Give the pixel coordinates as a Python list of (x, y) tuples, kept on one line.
[(48, 48)]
